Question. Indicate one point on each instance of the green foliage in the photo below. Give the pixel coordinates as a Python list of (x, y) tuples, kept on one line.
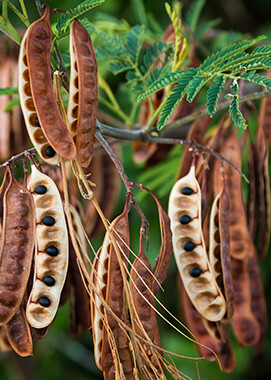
[(8, 91), (213, 94), (234, 110), (193, 14)]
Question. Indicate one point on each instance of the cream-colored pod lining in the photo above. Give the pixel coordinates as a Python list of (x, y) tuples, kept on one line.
[(72, 112), (201, 287), (214, 242), (55, 267), (35, 133)]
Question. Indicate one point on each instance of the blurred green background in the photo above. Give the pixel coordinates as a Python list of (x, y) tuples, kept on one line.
[(59, 356)]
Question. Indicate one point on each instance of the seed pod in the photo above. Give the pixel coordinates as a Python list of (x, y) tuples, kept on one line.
[(189, 248), (195, 323), (4, 342), (42, 100), (17, 246), (3, 188), (19, 335), (265, 117), (83, 96), (32, 122), (51, 256), (144, 316), (116, 300), (219, 251)]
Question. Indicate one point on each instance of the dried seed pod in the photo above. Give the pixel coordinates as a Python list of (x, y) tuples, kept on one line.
[(32, 122), (195, 323), (116, 300), (143, 316), (4, 342), (42, 99), (51, 256), (189, 248), (19, 334), (80, 304), (3, 188), (83, 96), (17, 246), (219, 250), (265, 117)]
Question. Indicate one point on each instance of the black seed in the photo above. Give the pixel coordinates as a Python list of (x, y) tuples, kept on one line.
[(37, 122), (48, 220), (40, 189), (189, 246), (44, 301), (52, 250), (185, 219), (49, 281), (50, 151), (187, 191), (195, 272)]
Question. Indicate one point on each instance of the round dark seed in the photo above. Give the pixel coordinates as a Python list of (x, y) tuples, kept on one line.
[(189, 246), (187, 190), (49, 281), (185, 219), (48, 220), (44, 301), (37, 122), (195, 272), (40, 189), (52, 250), (50, 151)]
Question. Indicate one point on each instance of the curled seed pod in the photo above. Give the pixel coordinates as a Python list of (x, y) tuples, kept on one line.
[(195, 323), (258, 303), (17, 246), (245, 326), (83, 96), (189, 248), (219, 251), (116, 300), (29, 111), (80, 308), (19, 334), (4, 342), (143, 316), (213, 330), (51, 256), (42, 100)]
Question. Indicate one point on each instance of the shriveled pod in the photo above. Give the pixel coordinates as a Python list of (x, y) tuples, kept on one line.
[(143, 317), (257, 297), (80, 304), (83, 96), (245, 326), (51, 256), (195, 323), (215, 330), (189, 248), (4, 342), (42, 100), (115, 340), (17, 246), (19, 334), (219, 249), (3, 188), (32, 122), (238, 229)]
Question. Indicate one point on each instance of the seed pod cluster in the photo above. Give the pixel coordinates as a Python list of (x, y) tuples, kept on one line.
[(189, 248), (83, 96), (51, 256)]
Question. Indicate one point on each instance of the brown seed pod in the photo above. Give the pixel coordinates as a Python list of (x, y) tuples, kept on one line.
[(4, 342), (19, 334), (143, 317), (265, 117), (3, 188), (195, 323), (43, 101), (32, 122), (17, 246), (83, 96), (189, 248), (219, 249), (51, 256)]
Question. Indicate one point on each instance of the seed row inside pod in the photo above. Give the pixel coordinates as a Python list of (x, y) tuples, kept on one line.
[(189, 248), (51, 256)]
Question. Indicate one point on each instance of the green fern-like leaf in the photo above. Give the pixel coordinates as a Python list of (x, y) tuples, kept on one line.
[(134, 42), (194, 87), (254, 77), (175, 97), (213, 94), (194, 13), (234, 110), (84, 7), (8, 91)]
